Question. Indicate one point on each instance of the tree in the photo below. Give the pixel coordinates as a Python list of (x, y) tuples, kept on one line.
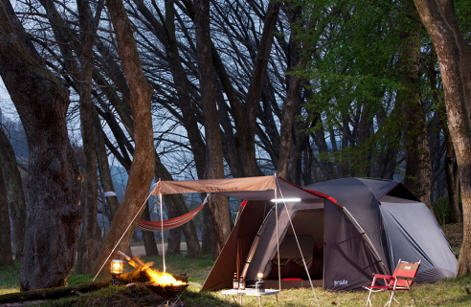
[(418, 177), (219, 205), (5, 239), (454, 57), (292, 99), (14, 192), (142, 172), (53, 213), (79, 68)]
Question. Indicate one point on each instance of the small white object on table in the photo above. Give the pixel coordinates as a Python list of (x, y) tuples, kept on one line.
[(251, 292)]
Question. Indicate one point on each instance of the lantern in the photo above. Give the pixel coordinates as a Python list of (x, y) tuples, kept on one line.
[(116, 269), (259, 284)]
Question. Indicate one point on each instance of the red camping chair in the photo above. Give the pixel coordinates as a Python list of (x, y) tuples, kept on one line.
[(402, 279)]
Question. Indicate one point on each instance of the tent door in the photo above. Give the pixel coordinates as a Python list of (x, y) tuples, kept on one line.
[(309, 227)]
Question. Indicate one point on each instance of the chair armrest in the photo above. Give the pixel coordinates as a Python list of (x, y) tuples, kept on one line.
[(385, 278), (405, 277)]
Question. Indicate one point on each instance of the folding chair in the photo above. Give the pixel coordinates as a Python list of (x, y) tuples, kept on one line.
[(402, 279)]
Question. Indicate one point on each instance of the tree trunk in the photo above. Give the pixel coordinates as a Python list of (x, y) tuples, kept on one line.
[(15, 193), (287, 124), (148, 236), (219, 205), (174, 241), (53, 212), (175, 206), (5, 238), (451, 169), (104, 169), (417, 151), (364, 133), (208, 244), (247, 140), (141, 173), (87, 123), (457, 99), (453, 186)]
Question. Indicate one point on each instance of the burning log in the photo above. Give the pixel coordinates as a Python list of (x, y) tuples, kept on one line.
[(163, 284)]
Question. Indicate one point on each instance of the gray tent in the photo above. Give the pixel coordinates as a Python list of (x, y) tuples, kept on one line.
[(346, 229)]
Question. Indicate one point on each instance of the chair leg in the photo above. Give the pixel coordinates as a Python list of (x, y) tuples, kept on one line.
[(370, 290), (368, 300), (412, 296), (391, 298)]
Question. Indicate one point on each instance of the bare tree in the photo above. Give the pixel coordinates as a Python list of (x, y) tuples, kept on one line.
[(219, 205), (141, 173), (91, 235), (14, 192), (53, 213), (6, 256)]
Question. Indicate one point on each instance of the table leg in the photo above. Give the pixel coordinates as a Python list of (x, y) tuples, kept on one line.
[(260, 300), (240, 299)]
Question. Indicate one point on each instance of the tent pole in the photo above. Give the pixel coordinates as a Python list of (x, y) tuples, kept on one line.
[(277, 234), (253, 247), (162, 231), (300, 250), (367, 239)]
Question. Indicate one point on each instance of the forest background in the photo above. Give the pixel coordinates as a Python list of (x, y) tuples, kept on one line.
[(310, 90)]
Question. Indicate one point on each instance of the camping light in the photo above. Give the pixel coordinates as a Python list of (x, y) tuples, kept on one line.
[(116, 269), (259, 284), (286, 200)]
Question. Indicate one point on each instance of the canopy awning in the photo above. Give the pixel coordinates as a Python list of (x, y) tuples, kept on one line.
[(248, 188)]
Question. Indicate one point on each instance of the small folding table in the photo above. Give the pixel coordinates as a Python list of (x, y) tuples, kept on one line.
[(250, 292)]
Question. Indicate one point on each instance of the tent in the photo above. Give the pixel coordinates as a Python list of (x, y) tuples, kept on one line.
[(339, 231)]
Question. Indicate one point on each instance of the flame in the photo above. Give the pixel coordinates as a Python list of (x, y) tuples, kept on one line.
[(163, 279)]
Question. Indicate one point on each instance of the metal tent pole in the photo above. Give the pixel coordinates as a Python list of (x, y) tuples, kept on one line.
[(277, 234), (162, 232)]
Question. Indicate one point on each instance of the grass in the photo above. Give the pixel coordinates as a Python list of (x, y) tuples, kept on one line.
[(9, 278), (452, 292)]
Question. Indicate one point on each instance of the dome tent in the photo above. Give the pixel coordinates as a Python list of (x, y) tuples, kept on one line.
[(348, 229)]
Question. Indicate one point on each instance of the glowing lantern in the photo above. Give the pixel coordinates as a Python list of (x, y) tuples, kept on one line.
[(116, 269), (260, 285)]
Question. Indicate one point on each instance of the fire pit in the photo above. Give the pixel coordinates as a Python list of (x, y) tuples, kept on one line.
[(167, 291), (163, 284)]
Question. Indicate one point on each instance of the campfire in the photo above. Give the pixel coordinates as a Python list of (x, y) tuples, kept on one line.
[(163, 279), (164, 284)]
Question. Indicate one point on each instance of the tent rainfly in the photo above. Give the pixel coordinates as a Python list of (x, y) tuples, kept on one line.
[(342, 230)]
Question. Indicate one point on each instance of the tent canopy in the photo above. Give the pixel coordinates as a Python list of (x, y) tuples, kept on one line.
[(248, 188)]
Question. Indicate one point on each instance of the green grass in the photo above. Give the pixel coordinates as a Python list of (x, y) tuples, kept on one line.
[(9, 278), (450, 292)]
